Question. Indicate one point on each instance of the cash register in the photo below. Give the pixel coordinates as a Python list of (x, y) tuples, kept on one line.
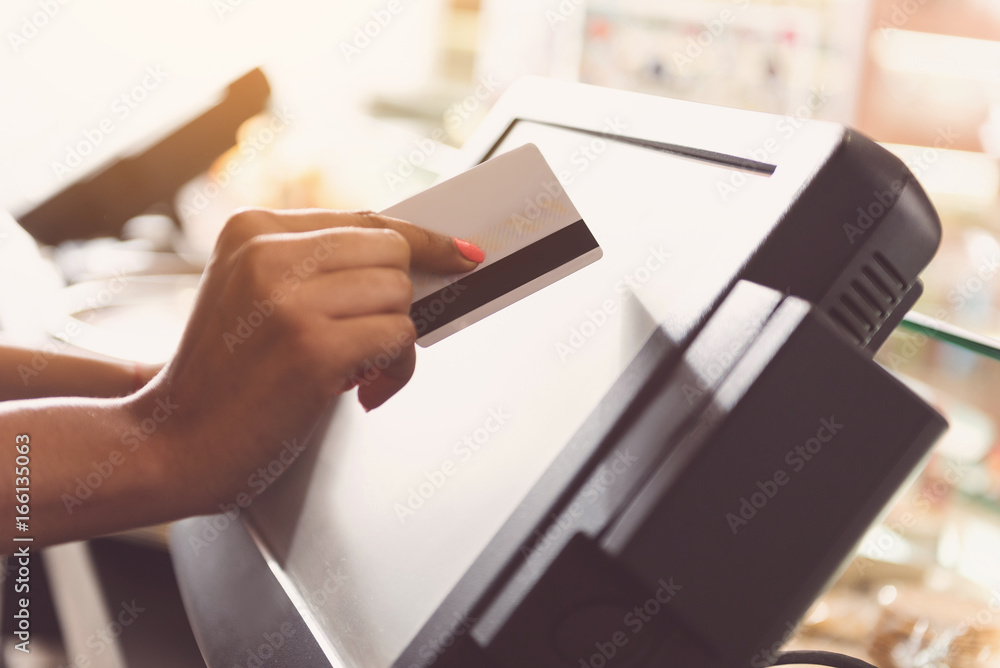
[(660, 459)]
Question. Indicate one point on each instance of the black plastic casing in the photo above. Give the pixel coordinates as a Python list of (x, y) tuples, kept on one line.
[(811, 307)]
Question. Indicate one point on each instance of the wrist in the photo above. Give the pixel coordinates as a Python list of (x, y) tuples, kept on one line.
[(152, 433), (138, 374), (145, 373), (110, 479)]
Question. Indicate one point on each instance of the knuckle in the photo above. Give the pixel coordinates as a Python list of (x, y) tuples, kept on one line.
[(254, 257), (243, 224), (368, 218), (401, 287), (254, 250), (399, 244), (425, 234), (403, 281), (392, 236)]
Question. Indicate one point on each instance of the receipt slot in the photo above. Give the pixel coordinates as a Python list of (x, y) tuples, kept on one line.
[(691, 447)]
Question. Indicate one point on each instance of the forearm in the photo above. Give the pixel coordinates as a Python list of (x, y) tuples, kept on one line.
[(29, 374), (88, 469)]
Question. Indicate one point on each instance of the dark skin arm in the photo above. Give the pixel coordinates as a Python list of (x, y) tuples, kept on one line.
[(334, 293), (26, 373)]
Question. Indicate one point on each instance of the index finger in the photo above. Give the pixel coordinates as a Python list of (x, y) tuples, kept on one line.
[(429, 251)]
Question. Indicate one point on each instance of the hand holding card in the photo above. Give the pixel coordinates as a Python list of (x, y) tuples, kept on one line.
[(513, 208)]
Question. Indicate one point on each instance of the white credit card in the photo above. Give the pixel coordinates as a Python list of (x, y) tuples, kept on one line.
[(514, 208)]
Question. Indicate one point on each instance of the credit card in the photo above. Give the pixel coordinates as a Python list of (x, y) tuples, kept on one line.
[(514, 208)]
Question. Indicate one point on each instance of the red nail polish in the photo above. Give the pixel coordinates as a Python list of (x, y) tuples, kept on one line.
[(470, 250)]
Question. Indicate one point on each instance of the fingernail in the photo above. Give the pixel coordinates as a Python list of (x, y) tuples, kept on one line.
[(469, 250)]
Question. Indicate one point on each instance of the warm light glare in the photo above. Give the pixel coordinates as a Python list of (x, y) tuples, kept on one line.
[(937, 55), (887, 595), (947, 172), (71, 71)]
